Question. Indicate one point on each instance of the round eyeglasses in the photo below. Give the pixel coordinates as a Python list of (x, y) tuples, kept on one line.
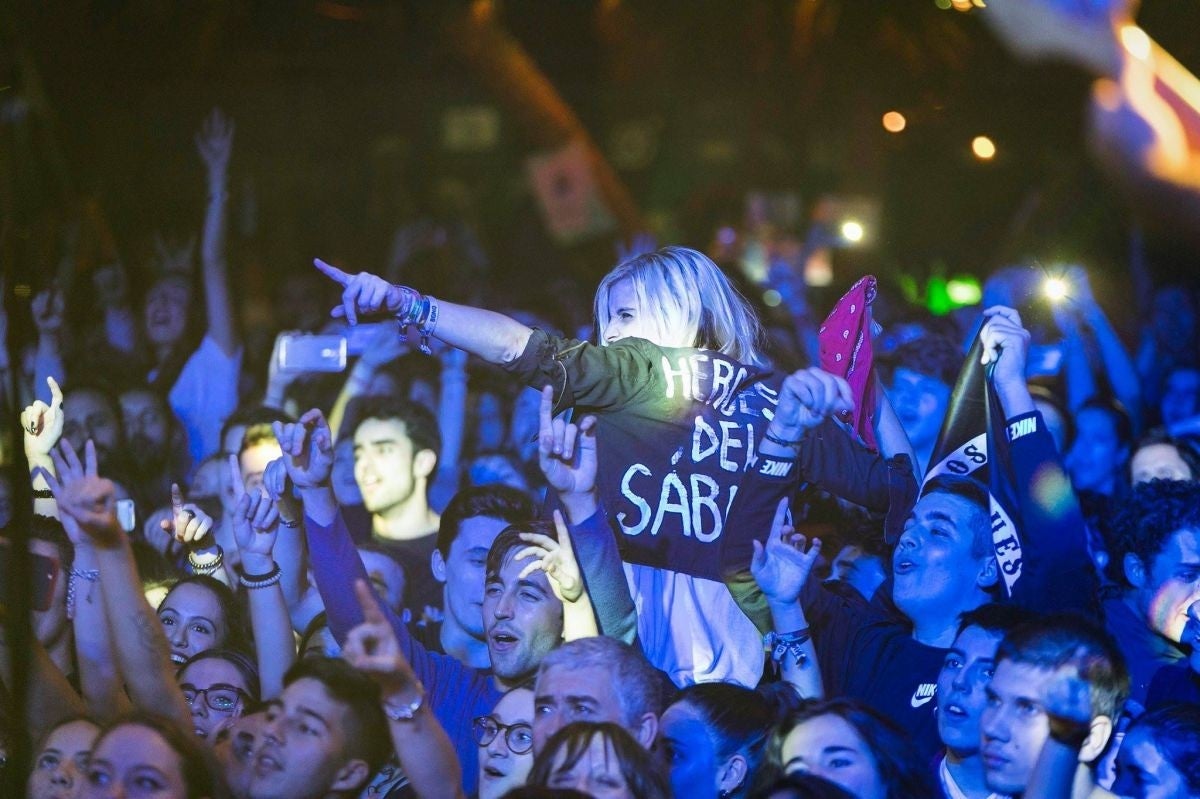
[(518, 737), (219, 696)]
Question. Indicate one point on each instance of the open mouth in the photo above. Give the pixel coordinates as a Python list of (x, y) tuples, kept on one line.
[(904, 567), (955, 711), (265, 763), (493, 772), (178, 658), (502, 641)]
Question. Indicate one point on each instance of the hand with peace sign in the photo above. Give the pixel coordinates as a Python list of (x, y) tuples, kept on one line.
[(255, 523), (367, 294), (556, 558), (84, 496), (43, 424)]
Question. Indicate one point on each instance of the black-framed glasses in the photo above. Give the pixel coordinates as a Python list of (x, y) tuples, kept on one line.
[(518, 737), (220, 697)]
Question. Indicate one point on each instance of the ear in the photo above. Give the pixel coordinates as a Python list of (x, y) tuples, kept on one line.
[(732, 775), (424, 463), (350, 777), (1097, 740), (989, 573), (1135, 570), (438, 564), (646, 730)]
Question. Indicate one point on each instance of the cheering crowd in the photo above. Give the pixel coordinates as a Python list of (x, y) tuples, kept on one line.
[(699, 549)]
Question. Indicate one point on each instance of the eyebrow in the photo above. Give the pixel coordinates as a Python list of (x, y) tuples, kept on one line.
[(528, 583), (940, 516), (312, 714)]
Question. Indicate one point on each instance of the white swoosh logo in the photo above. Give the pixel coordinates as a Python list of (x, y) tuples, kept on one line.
[(918, 701)]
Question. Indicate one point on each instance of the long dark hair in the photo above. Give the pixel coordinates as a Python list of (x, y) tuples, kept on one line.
[(900, 767), (741, 721), (237, 636), (642, 774)]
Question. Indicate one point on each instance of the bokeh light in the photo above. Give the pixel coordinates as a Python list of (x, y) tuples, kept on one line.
[(852, 231), (894, 122), (984, 148), (1055, 288), (772, 298)]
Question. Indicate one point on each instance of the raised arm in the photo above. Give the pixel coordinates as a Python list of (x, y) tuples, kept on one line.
[(256, 527), (494, 337), (214, 142), (141, 647), (420, 742), (567, 457), (781, 567)]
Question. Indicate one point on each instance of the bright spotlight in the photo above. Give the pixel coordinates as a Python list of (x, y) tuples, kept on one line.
[(1055, 289), (894, 122), (852, 231)]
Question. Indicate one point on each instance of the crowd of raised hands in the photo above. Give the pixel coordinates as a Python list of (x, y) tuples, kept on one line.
[(434, 568)]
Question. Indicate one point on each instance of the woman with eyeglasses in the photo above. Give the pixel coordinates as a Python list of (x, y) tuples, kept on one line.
[(219, 685), (505, 741)]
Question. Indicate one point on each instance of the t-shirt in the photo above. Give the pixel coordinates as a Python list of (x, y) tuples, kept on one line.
[(421, 588), (204, 395)]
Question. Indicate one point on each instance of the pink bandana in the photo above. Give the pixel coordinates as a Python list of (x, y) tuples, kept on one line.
[(845, 346)]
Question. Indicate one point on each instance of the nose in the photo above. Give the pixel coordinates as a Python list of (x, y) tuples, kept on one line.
[(62, 776), (908, 539), (504, 606), (179, 636), (199, 707), (498, 746), (990, 724)]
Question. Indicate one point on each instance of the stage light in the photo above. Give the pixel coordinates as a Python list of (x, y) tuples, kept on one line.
[(1055, 289), (894, 122), (984, 148), (964, 290), (944, 5), (852, 231), (1136, 42)]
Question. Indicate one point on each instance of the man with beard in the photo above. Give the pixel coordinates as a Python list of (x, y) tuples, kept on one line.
[(152, 437)]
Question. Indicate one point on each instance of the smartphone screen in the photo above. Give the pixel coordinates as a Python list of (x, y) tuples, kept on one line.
[(307, 353)]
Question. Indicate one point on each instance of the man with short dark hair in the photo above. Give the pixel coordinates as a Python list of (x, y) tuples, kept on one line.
[(1059, 684), (469, 525), (396, 445), (324, 736), (1156, 551), (918, 378)]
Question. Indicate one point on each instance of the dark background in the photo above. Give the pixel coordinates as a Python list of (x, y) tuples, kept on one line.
[(339, 105)]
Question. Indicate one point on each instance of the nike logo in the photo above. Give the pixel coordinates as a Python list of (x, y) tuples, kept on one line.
[(923, 694)]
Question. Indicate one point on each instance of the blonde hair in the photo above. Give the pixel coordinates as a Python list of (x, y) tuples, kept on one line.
[(689, 302)]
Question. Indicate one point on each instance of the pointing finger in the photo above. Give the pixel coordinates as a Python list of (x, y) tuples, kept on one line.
[(332, 272)]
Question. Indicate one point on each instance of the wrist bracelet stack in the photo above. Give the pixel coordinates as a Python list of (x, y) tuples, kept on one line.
[(206, 567), (256, 581), (792, 644), (420, 311)]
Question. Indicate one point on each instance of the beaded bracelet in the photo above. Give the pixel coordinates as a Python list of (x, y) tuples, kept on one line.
[(206, 568), (255, 581), (781, 442)]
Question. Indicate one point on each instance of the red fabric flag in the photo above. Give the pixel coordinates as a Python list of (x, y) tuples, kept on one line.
[(846, 351)]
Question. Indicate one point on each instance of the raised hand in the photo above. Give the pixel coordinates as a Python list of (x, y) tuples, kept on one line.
[(307, 447), (566, 451), (365, 293), (1067, 700), (48, 308), (807, 398), (556, 558), (781, 568), (83, 495), (373, 649), (42, 423), (255, 520), (1006, 344), (214, 143), (188, 524)]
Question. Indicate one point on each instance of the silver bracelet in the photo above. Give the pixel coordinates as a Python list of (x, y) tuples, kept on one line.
[(90, 575)]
